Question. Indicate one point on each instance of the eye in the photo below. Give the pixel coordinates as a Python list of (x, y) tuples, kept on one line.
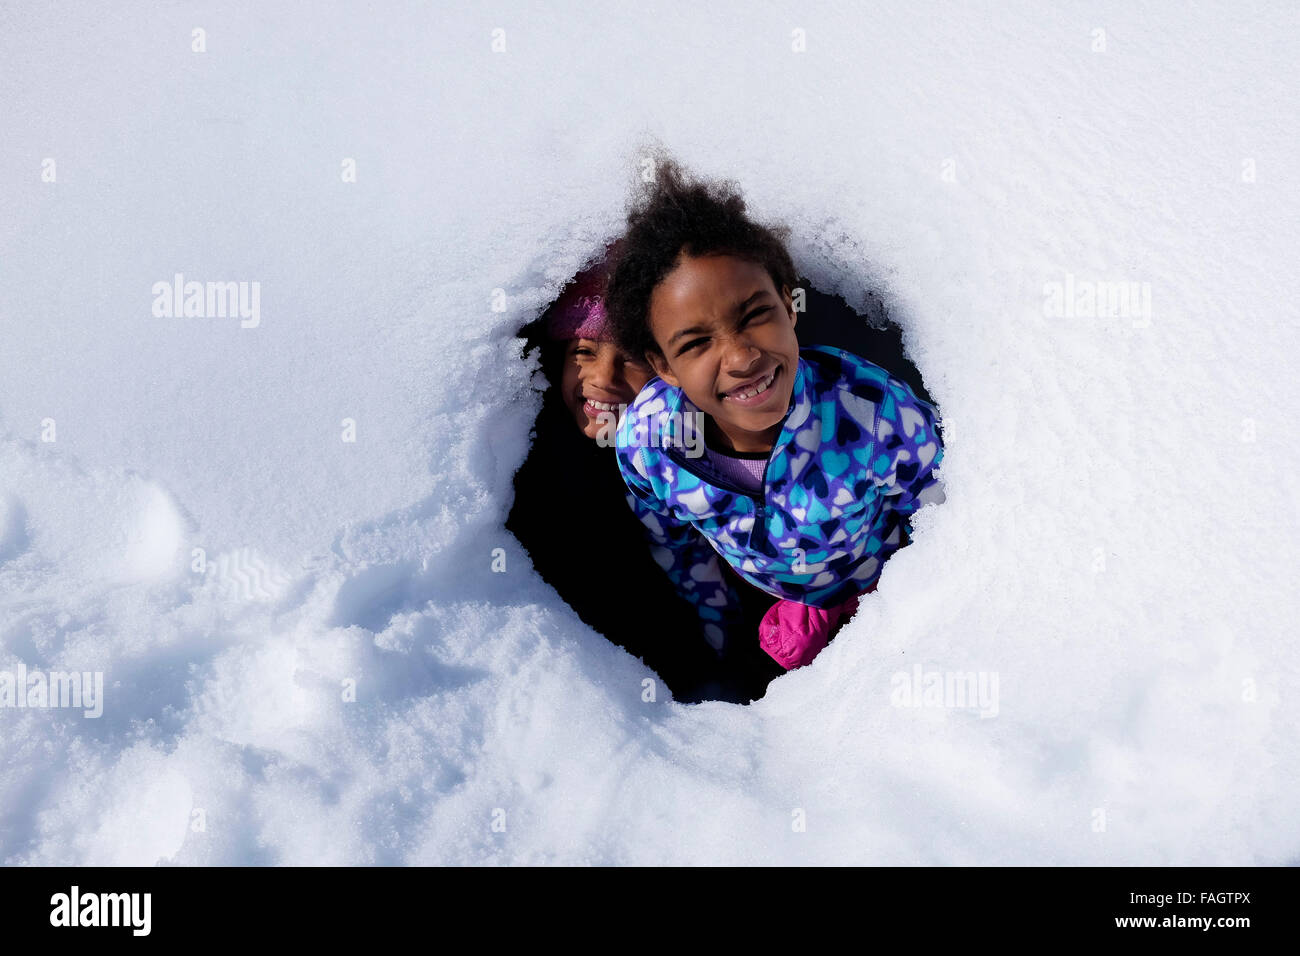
[(584, 351), (755, 315), (693, 343)]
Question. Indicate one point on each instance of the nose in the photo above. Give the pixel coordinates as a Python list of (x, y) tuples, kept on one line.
[(603, 371), (740, 355)]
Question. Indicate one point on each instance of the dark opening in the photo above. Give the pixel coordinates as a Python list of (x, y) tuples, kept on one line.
[(571, 515)]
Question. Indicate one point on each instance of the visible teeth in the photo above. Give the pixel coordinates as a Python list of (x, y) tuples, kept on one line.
[(602, 406), (758, 389)]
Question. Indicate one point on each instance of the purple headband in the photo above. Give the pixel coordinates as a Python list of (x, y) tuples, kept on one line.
[(583, 318)]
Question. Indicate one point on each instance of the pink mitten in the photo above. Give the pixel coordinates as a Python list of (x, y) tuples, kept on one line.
[(793, 634)]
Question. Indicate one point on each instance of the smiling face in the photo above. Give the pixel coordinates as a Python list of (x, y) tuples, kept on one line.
[(597, 377), (727, 340)]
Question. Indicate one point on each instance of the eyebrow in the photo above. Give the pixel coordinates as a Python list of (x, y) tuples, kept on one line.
[(696, 329)]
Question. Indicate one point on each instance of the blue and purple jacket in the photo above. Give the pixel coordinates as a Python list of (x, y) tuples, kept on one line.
[(857, 455)]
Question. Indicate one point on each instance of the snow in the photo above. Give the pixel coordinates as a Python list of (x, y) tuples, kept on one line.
[(346, 680)]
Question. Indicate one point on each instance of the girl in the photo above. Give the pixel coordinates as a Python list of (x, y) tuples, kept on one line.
[(570, 511), (813, 460)]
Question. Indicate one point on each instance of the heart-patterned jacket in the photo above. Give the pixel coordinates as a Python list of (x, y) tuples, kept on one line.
[(857, 455)]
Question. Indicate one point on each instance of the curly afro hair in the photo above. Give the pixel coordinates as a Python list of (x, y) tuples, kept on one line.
[(677, 214)]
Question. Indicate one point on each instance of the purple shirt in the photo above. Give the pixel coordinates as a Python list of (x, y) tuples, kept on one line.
[(745, 470)]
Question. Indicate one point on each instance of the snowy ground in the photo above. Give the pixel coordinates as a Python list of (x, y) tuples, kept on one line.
[(1116, 551)]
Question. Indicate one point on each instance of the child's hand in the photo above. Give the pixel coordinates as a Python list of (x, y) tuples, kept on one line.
[(793, 634)]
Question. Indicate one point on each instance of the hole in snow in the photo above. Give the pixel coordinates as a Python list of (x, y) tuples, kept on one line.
[(570, 514)]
